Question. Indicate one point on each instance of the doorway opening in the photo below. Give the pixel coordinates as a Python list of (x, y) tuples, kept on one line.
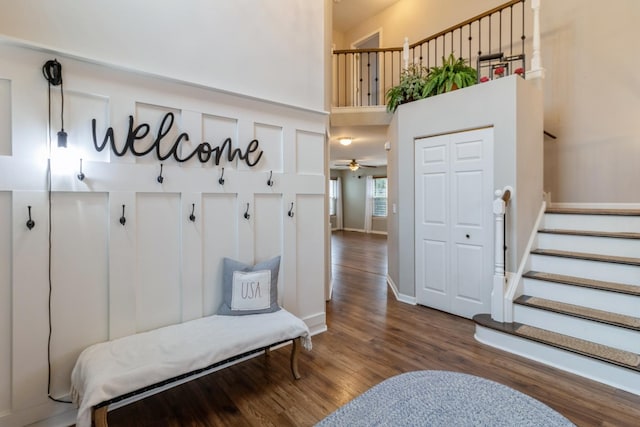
[(366, 72)]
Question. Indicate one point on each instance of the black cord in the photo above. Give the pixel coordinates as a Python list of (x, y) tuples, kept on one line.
[(52, 71)]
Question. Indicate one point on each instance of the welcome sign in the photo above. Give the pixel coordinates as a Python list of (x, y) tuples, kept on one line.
[(165, 149)]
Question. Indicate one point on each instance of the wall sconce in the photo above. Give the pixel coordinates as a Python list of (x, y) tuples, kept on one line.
[(52, 71), (345, 141)]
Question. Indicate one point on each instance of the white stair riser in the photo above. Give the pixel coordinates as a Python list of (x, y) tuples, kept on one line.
[(598, 299), (607, 271), (590, 244), (615, 376), (592, 222), (612, 336)]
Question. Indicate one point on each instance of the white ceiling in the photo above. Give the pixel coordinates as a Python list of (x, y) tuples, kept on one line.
[(367, 146), (349, 13)]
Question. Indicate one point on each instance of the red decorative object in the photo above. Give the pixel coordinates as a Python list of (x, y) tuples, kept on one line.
[(499, 71), (519, 71), (484, 79)]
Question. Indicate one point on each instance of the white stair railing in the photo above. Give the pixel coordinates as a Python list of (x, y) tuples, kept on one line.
[(499, 273)]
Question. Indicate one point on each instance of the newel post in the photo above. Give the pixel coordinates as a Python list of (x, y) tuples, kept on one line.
[(405, 53), (499, 276), (536, 71)]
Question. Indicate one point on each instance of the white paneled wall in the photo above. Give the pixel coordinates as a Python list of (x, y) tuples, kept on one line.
[(163, 265), (5, 301)]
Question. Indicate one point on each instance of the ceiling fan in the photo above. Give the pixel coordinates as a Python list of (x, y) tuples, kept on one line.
[(354, 166)]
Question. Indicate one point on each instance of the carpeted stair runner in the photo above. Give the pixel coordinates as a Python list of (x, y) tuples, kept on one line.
[(584, 282), (617, 235), (605, 353), (580, 311), (583, 211), (588, 257), (577, 345)]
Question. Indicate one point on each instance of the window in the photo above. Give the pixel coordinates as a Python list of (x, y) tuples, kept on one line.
[(380, 196), (333, 194)]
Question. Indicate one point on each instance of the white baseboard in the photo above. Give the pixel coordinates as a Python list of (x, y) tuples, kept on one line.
[(359, 230), (400, 297)]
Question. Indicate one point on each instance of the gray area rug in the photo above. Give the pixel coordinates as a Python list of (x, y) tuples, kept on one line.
[(441, 398)]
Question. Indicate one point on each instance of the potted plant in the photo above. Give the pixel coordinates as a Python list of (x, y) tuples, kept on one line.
[(411, 87), (452, 74)]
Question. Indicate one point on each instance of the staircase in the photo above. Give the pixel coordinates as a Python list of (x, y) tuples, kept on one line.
[(579, 308)]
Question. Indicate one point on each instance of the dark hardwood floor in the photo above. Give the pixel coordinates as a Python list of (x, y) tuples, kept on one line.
[(371, 337)]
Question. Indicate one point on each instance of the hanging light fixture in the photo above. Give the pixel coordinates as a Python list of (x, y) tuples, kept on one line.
[(354, 166), (52, 71)]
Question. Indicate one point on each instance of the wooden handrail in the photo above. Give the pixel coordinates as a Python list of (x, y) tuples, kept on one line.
[(466, 22), (371, 49)]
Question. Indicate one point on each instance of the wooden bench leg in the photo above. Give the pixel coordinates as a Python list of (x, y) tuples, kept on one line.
[(295, 350), (99, 416)]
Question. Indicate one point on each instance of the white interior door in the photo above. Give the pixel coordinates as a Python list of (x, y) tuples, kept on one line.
[(454, 234)]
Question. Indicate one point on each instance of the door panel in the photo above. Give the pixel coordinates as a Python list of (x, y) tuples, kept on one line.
[(454, 234)]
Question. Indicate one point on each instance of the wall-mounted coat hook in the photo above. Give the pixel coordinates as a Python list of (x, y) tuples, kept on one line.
[(160, 178), (221, 179), (30, 222), (246, 212), (123, 220), (290, 213), (270, 180), (192, 217), (81, 175)]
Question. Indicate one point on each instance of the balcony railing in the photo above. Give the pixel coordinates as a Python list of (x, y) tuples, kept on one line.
[(492, 41)]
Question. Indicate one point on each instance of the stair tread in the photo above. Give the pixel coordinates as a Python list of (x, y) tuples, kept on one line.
[(576, 345), (580, 311), (588, 256), (619, 235), (596, 211), (584, 282)]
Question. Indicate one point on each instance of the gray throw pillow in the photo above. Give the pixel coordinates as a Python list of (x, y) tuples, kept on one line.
[(249, 289)]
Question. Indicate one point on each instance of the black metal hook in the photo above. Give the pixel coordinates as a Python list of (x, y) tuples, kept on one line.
[(160, 178), (30, 222), (246, 213), (192, 217), (81, 175), (270, 181), (221, 179), (290, 213), (123, 220)]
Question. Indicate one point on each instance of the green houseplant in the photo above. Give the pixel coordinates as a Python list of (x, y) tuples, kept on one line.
[(452, 74), (411, 87)]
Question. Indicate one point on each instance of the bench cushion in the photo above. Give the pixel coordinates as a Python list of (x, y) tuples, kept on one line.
[(110, 369)]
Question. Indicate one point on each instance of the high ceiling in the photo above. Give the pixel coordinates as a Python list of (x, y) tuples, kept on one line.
[(348, 13), (368, 141)]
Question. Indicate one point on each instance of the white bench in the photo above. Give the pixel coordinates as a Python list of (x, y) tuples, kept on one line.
[(112, 371)]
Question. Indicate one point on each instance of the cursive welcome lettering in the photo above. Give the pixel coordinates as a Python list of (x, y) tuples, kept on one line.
[(204, 151)]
